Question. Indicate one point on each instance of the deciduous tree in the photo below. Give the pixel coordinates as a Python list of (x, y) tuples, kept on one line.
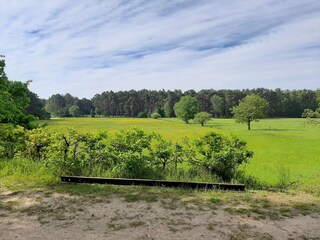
[(202, 117), (13, 100), (251, 108), (186, 108)]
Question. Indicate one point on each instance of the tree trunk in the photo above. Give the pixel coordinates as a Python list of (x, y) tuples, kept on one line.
[(164, 165), (249, 125)]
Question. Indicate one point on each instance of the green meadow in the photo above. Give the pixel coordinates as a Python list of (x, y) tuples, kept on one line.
[(282, 147)]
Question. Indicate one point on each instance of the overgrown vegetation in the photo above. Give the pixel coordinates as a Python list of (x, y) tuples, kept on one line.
[(127, 153)]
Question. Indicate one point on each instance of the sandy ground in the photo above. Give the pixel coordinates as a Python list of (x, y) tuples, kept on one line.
[(59, 216)]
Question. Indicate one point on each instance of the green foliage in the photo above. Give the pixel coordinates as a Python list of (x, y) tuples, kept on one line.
[(134, 167), (271, 140), (162, 152), (37, 144), (251, 108), (129, 142), (186, 108), (67, 105), (313, 117), (318, 96), (68, 153), (13, 100), (282, 103), (12, 140), (24, 172), (202, 117), (142, 115), (168, 107), (283, 177), (220, 155), (92, 113), (160, 111), (56, 106), (77, 154), (126, 153), (74, 111), (130, 154), (36, 107), (155, 115), (217, 105)]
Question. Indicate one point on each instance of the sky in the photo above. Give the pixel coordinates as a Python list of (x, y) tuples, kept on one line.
[(85, 47)]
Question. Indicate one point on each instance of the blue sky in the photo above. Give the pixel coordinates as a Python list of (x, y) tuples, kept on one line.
[(85, 47)]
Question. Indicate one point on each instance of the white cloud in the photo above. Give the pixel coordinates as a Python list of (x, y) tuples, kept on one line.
[(93, 46)]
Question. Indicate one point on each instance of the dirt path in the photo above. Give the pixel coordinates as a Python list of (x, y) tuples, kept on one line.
[(39, 215)]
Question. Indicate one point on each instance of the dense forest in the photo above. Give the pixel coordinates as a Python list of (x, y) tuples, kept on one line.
[(142, 103)]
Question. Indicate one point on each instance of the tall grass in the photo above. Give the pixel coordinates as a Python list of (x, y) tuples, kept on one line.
[(24, 172)]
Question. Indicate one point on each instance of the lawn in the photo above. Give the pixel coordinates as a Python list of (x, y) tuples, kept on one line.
[(281, 146)]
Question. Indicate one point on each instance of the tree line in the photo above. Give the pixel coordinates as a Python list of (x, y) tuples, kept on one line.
[(142, 103), (19, 105)]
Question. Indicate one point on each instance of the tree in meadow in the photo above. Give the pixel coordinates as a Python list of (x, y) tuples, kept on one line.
[(186, 108), (251, 108), (202, 117)]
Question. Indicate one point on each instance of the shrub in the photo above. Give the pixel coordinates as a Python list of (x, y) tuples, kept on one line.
[(142, 115), (128, 153), (162, 152), (135, 167), (220, 155), (12, 140), (202, 117), (37, 144), (155, 115), (71, 153)]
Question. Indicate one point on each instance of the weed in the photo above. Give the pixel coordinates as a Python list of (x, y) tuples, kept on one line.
[(8, 206), (116, 227), (211, 226), (283, 176), (169, 204), (215, 200), (132, 198), (136, 223)]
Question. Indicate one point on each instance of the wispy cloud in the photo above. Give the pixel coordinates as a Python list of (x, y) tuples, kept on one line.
[(91, 46)]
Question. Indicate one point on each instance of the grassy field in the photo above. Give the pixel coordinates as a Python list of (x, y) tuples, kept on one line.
[(286, 147)]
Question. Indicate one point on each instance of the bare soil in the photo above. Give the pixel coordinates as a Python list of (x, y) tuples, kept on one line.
[(44, 215)]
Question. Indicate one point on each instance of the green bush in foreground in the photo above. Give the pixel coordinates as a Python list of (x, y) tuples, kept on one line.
[(221, 156), (129, 153)]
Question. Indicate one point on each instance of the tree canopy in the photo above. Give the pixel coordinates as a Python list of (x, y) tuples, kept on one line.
[(217, 105), (59, 106), (202, 117), (313, 117), (251, 108), (186, 108), (13, 100)]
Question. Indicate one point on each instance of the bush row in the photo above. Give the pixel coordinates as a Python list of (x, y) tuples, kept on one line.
[(130, 153)]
